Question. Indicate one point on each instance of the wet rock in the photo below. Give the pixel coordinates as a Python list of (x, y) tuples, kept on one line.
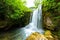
[(47, 21), (48, 35), (36, 36)]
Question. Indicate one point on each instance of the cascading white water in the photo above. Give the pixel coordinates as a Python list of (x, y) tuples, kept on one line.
[(36, 24)]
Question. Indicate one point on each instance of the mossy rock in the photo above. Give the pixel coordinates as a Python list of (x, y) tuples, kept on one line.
[(36, 36)]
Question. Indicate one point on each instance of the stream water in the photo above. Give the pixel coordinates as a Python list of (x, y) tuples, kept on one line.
[(35, 25)]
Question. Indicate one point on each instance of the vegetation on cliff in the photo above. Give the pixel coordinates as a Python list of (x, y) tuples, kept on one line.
[(51, 15), (13, 11)]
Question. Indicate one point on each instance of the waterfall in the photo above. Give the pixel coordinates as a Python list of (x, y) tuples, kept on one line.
[(36, 24)]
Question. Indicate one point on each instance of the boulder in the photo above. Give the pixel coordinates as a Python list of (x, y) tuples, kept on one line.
[(46, 36), (36, 36)]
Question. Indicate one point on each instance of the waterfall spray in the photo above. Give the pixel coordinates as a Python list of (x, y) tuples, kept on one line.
[(36, 24)]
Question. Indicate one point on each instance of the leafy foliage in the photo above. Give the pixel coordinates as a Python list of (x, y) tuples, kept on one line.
[(14, 12), (53, 7), (13, 9), (49, 5), (37, 2)]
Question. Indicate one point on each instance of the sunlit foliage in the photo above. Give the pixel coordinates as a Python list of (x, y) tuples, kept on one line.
[(14, 12), (49, 5), (37, 2), (13, 9)]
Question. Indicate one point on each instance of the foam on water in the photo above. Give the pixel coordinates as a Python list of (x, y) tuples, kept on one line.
[(36, 24)]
